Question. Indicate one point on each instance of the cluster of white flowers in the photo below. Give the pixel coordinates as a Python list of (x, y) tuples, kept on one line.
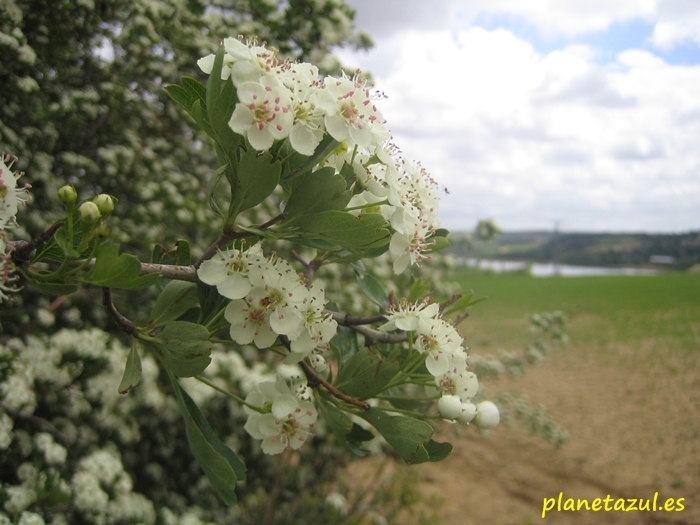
[(103, 490), (280, 99), (269, 299), (283, 419), (10, 198), (446, 360), (288, 100)]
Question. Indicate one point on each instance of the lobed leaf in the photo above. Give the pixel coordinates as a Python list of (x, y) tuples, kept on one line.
[(118, 271), (176, 298), (366, 374), (409, 437), (186, 348)]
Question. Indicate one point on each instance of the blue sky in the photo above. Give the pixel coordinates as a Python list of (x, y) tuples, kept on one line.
[(619, 36), (581, 112)]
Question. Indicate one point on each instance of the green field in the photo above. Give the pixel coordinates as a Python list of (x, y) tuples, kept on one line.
[(603, 311)]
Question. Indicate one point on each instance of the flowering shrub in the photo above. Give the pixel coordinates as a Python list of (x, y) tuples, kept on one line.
[(318, 150)]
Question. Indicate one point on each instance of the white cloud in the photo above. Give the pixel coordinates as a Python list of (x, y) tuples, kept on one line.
[(530, 138)]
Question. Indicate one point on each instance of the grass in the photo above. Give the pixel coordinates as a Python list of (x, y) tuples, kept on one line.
[(603, 310)]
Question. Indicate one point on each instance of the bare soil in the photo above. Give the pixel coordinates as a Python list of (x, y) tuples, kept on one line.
[(632, 411), (633, 416)]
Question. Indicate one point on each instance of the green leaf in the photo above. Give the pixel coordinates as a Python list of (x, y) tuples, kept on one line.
[(366, 374), (348, 230), (179, 255), (194, 89), (258, 175), (220, 464), (176, 298), (55, 289), (463, 302), (317, 191), (419, 289), (438, 451), (66, 244), (220, 113), (211, 302), (118, 271), (346, 432), (298, 169), (132, 371), (186, 348), (199, 114), (344, 343), (410, 437), (180, 95), (350, 255), (214, 81), (373, 289), (339, 422)]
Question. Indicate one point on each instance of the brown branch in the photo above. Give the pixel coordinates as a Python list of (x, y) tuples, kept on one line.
[(125, 324), (456, 297), (310, 267), (459, 319), (171, 271), (22, 251), (313, 377), (346, 319), (371, 335)]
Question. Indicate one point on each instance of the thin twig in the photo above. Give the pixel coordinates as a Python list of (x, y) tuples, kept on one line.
[(456, 297), (313, 377), (171, 271), (459, 319), (22, 251), (125, 324), (346, 319), (371, 335), (310, 267)]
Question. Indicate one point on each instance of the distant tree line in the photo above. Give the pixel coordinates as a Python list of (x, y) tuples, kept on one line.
[(588, 249)]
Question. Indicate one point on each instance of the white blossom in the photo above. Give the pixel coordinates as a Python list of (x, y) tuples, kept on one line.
[(10, 195), (19, 497), (350, 112), (31, 518), (284, 421), (6, 425), (439, 343), (54, 453), (412, 317), (264, 113), (228, 271)]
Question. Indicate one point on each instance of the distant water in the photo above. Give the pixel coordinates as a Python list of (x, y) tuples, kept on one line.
[(550, 269)]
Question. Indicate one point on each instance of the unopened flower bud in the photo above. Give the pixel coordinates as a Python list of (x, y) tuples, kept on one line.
[(102, 230), (449, 406), (68, 195), (318, 362), (468, 411), (89, 213), (487, 415), (105, 203)]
